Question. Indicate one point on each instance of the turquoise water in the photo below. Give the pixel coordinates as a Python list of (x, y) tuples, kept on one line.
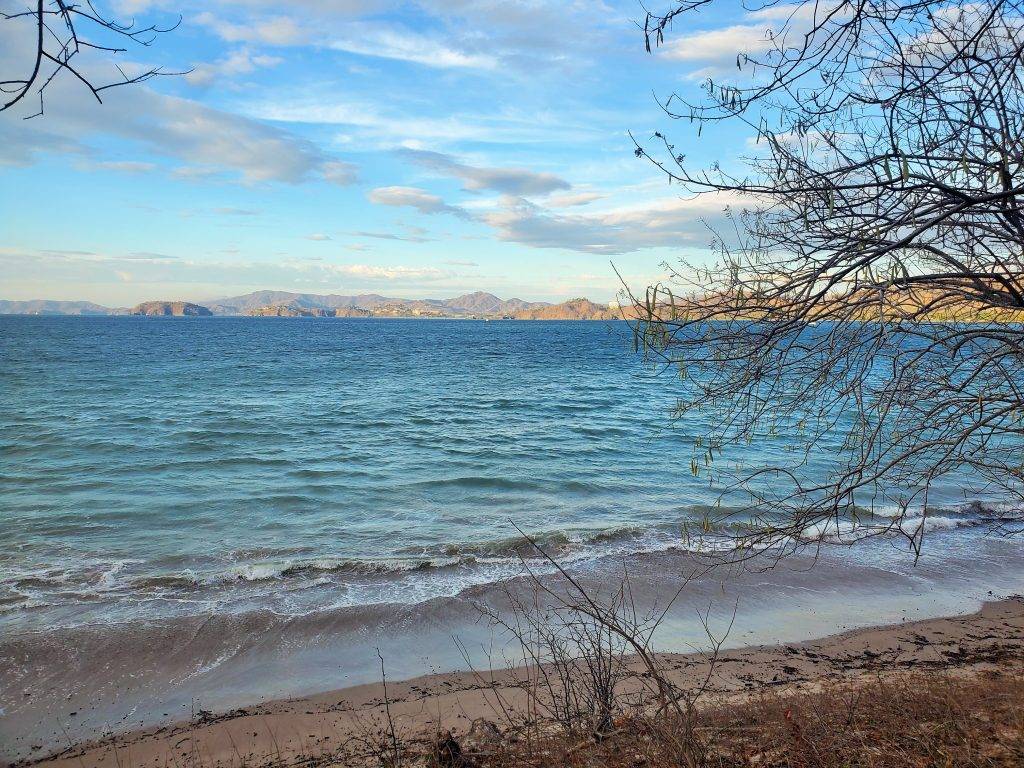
[(169, 467), (213, 511)]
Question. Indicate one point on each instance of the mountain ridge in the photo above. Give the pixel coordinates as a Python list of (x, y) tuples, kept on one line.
[(53, 307), (271, 303), (477, 302)]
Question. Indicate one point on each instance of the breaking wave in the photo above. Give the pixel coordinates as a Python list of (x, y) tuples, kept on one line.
[(297, 580)]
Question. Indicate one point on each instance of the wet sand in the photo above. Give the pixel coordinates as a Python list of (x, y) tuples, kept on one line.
[(63, 685), (338, 724)]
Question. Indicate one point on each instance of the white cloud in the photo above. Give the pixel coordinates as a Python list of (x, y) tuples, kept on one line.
[(273, 30), (413, 197), (718, 44), (148, 256), (574, 199), (380, 124), (511, 181), (762, 30), (388, 273), (195, 172), (84, 257), (403, 45), (529, 33), (207, 141), (322, 27), (132, 7), (124, 166), (669, 222), (340, 173), (202, 135), (22, 141), (416, 235), (794, 11), (318, 237), (168, 276), (473, 34), (240, 62)]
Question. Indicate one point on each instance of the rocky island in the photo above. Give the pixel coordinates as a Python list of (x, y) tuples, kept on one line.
[(170, 309)]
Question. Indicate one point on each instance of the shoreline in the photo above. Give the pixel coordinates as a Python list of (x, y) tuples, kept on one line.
[(65, 685), (337, 723)]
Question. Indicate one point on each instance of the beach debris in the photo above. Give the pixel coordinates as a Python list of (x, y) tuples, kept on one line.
[(483, 736), (447, 753), (203, 716)]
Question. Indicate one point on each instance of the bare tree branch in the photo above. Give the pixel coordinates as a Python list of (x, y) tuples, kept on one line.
[(867, 305), (61, 31)]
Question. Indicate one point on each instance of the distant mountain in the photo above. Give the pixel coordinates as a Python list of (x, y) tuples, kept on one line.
[(243, 305), (574, 309), (47, 307), (478, 303), (481, 303), (289, 304), (170, 309)]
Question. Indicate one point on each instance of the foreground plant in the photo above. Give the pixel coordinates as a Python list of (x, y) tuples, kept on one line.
[(900, 722)]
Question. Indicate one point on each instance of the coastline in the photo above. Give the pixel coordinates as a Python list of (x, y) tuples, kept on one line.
[(68, 682), (334, 724)]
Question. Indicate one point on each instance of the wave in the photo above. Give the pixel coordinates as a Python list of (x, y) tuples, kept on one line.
[(477, 481), (511, 550), (847, 531), (897, 521), (415, 574), (400, 578), (168, 581)]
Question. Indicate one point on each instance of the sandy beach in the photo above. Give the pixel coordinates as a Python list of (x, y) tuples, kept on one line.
[(336, 726)]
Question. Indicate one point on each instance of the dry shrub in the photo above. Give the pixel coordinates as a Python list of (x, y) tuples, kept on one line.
[(586, 669), (904, 722), (568, 663), (915, 720)]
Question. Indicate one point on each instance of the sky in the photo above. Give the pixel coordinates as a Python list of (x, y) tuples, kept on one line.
[(415, 149)]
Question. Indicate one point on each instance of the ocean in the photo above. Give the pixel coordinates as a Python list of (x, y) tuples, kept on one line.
[(231, 508), (169, 466)]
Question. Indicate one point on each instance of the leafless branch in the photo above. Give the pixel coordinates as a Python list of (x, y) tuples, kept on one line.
[(62, 31), (861, 319)]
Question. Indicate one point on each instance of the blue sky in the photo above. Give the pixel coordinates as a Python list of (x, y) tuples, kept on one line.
[(418, 149)]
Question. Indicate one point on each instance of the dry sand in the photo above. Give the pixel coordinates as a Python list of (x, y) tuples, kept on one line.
[(338, 723)]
